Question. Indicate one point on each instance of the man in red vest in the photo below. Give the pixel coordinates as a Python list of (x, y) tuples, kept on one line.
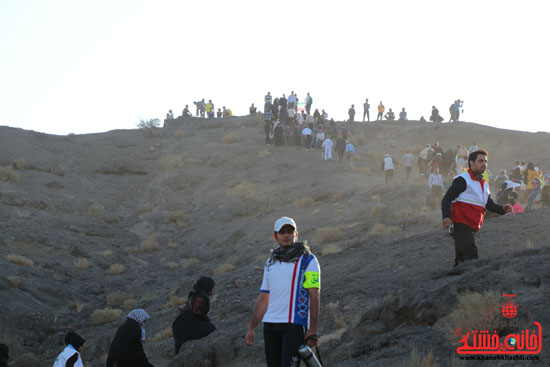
[(464, 204)]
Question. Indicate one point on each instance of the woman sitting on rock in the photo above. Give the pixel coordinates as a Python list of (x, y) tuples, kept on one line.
[(193, 322)]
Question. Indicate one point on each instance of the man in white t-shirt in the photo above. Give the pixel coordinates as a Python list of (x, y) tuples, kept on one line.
[(289, 301)]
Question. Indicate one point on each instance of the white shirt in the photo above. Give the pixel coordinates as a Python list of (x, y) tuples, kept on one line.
[(388, 163), (436, 180), (327, 144), (306, 131), (408, 160), (67, 353), (288, 299)]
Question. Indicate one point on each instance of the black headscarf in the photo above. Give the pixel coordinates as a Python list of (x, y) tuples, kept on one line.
[(205, 285), (74, 339)]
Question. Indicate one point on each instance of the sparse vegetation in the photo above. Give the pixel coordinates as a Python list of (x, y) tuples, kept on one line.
[(192, 261), (179, 134), (304, 202), (77, 306), (27, 360), (230, 138), (327, 235), (377, 209), (118, 298), (19, 163), (175, 301), (264, 154), (358, 139), (172, 161), (172, 265), (129, 304), (163, 335), (316, 211), (7, 173), (172, 245), (107, 253), (178, 218), (149, 297), (13, 280), (375, 198), (105, 315), (470, 313), (223, 268), (144, 209), (131, 250), (330, 249), (149, 244), (116, 269), (20, 260), (245, 190), (82, 263), (94, 210), (416, 360), (372, 154)]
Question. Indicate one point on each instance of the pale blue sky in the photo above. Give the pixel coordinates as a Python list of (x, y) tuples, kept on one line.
[(90, 66)]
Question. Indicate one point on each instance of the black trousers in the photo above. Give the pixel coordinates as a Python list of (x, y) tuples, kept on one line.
[(465, 245), (281, 344)]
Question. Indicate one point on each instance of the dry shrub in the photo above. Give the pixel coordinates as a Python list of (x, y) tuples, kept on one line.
[(94, 210), (192, 261), (131, 250), (164, 334), (175, 301), (261, 258), (178, 218), (372, 154), (172, 161), (365, 170), (27, 360), (358, 139), (529, 244), (230, 138), (116, 269), (105, 315), (107, 253), (425, 209), (416, 360), (375, 198), (415, 150), (337, 212), (19, 163), (264, 154), (470, 313), (82, 263), (118, 298), (130, 304), (149, 297), (272, 189), (77, 306), (13, 281), (245, 190), (377, 209), (336, 198), (172, 245), (327, 235), (149, 244), (14, 343), (7, 173), (330, 249), (191, 161), (404, 213), (223, 268), (316, 211), (304, 202), (179, 134), (380, 229), (145, 209), (20, 260), (172, 265)]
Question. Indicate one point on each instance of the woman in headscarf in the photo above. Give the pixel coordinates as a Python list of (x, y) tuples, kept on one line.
[(193, 322), (126, 348), (535, 195), (4, 355), (70, 356)]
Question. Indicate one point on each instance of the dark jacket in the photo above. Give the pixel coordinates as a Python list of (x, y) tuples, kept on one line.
[(4, 355), (126, 348)]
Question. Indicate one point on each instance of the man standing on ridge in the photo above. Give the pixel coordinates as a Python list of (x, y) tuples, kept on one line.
[(289, 300), (309, 102), (366, 108), (381, 110), (463, 206)]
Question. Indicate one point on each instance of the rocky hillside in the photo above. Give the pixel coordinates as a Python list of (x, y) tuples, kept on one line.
[(95, 225)]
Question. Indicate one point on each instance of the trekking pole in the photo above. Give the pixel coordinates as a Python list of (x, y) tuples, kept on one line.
[(309, 357)]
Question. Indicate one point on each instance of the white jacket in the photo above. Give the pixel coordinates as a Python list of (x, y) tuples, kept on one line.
[(388, 163), (67, 353), (327, 144)]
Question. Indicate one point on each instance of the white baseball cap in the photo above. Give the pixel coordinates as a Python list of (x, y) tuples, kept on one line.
[(281, 222)]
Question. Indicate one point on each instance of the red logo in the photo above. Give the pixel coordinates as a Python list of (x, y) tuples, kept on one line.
[(495, 337)]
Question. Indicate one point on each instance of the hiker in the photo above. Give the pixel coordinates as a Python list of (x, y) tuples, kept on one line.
[(435, 115), (340, 148), (70, 356), (387, 167), (268, 125), (252, 109), (209, 107), (425, 156), (535, 197), (309, 102), (170, 115), (514, 201), (366, 109), (350, 153), (403, 115), (186, 112), (192, 322), (291, 272), (436, 162), (408, 161), (327, 146), (506, 189), (292, 101), (457, 106), (307, 136), (219, 113), (390, 116), (4, 355), (351, 113), (126, 348), (278, 134), (200, 107), (210, 113), (452, 112), (381, 109), (268, 98), (501, 177), (464, 204), (435, 182)]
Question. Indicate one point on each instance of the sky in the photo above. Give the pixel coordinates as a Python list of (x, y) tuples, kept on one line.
[(74, 66)]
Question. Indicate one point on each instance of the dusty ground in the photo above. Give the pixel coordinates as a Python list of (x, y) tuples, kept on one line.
[(180, 203)]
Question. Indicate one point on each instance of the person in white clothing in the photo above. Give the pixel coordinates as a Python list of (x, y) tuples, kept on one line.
[(387, 167), (289, 300), (70, 356), (327, 146), (435, 182), (408, 160)]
